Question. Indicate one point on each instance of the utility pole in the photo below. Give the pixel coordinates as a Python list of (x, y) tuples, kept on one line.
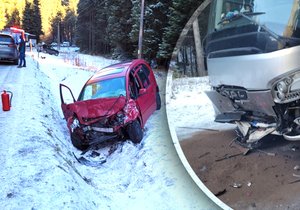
[(58, 36), (141, 30)]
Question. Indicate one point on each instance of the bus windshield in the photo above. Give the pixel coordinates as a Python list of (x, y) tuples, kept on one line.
[(279, 16)]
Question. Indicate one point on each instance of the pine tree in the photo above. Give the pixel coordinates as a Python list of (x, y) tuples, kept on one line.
[(3, 19), (155, 21), (28, 18), (119, 27), (135, 20), (69, 23), (82, 25), (32, 19), (14, 19), (102, 45), (37, 21), (180, 11), (49, 10), (54, 26)]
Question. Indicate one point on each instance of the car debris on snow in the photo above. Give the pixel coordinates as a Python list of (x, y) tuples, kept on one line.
[(88, 161)]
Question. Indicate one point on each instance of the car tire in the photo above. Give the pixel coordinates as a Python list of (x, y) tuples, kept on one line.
[(135, 132), (158, 101), (16, 62), (77, 142)]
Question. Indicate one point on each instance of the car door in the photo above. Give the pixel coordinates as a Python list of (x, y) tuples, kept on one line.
[(146, 96), (65, 90)]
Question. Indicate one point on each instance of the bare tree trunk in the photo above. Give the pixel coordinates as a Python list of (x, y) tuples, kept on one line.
[(192, 63), (199, 55)]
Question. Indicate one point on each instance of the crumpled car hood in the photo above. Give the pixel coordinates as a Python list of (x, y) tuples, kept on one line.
[(95, 108)]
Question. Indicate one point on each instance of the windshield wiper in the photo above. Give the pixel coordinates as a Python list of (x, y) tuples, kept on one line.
[(237, 16)]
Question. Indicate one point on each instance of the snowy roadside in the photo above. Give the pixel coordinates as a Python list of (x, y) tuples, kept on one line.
[(189, 108), (40, 154)]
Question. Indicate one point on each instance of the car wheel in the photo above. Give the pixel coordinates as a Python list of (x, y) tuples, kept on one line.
[(56, 54), (16, 62), (77, 142), (135, 132), (158, 101)]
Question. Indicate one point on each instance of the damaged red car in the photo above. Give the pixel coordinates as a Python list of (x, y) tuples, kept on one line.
[(114, 103)]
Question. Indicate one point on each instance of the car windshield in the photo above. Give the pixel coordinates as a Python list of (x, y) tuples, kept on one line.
[(280, 16), (109, 88)]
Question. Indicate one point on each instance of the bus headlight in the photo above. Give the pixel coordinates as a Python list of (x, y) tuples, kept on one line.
[(282, 87)]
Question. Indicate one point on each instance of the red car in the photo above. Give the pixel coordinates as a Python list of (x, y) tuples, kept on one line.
[(114, 103)]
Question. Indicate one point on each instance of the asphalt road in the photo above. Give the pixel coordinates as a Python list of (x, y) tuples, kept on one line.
[(265, 178)]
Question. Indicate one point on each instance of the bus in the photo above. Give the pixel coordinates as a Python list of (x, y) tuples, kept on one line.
[(252, 51)]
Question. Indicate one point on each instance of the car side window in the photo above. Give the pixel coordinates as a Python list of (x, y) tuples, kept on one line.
[(143, 74), (134, 86), (146, 70)]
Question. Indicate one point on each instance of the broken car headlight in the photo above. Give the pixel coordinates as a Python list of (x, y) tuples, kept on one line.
[(120, 117), (74, 124)]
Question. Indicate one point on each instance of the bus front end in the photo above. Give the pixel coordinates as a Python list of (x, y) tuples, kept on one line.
[(253, 59)]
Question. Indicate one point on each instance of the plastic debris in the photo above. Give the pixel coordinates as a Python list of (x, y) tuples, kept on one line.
[(294, 148), (203, 168), (236, 185)]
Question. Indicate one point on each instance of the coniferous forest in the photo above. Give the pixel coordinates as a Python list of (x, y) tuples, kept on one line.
[(105, 27)]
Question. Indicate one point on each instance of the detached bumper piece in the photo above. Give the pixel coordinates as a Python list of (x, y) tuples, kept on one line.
[(229, 117)]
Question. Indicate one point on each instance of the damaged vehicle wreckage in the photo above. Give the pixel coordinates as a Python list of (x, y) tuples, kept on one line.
[(115, 103), (253, 64)]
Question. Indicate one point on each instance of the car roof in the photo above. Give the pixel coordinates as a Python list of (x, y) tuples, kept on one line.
[(113, 71)]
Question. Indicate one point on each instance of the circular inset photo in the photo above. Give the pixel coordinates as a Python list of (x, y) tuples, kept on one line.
[(233, 102)]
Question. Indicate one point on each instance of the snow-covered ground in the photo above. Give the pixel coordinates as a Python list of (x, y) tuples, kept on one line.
[(189, 108), (39, 171)]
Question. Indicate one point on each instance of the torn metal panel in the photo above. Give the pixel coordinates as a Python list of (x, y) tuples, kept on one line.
[(131, 111)]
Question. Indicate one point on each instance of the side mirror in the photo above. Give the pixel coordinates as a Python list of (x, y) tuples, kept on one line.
[(142, 91)]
